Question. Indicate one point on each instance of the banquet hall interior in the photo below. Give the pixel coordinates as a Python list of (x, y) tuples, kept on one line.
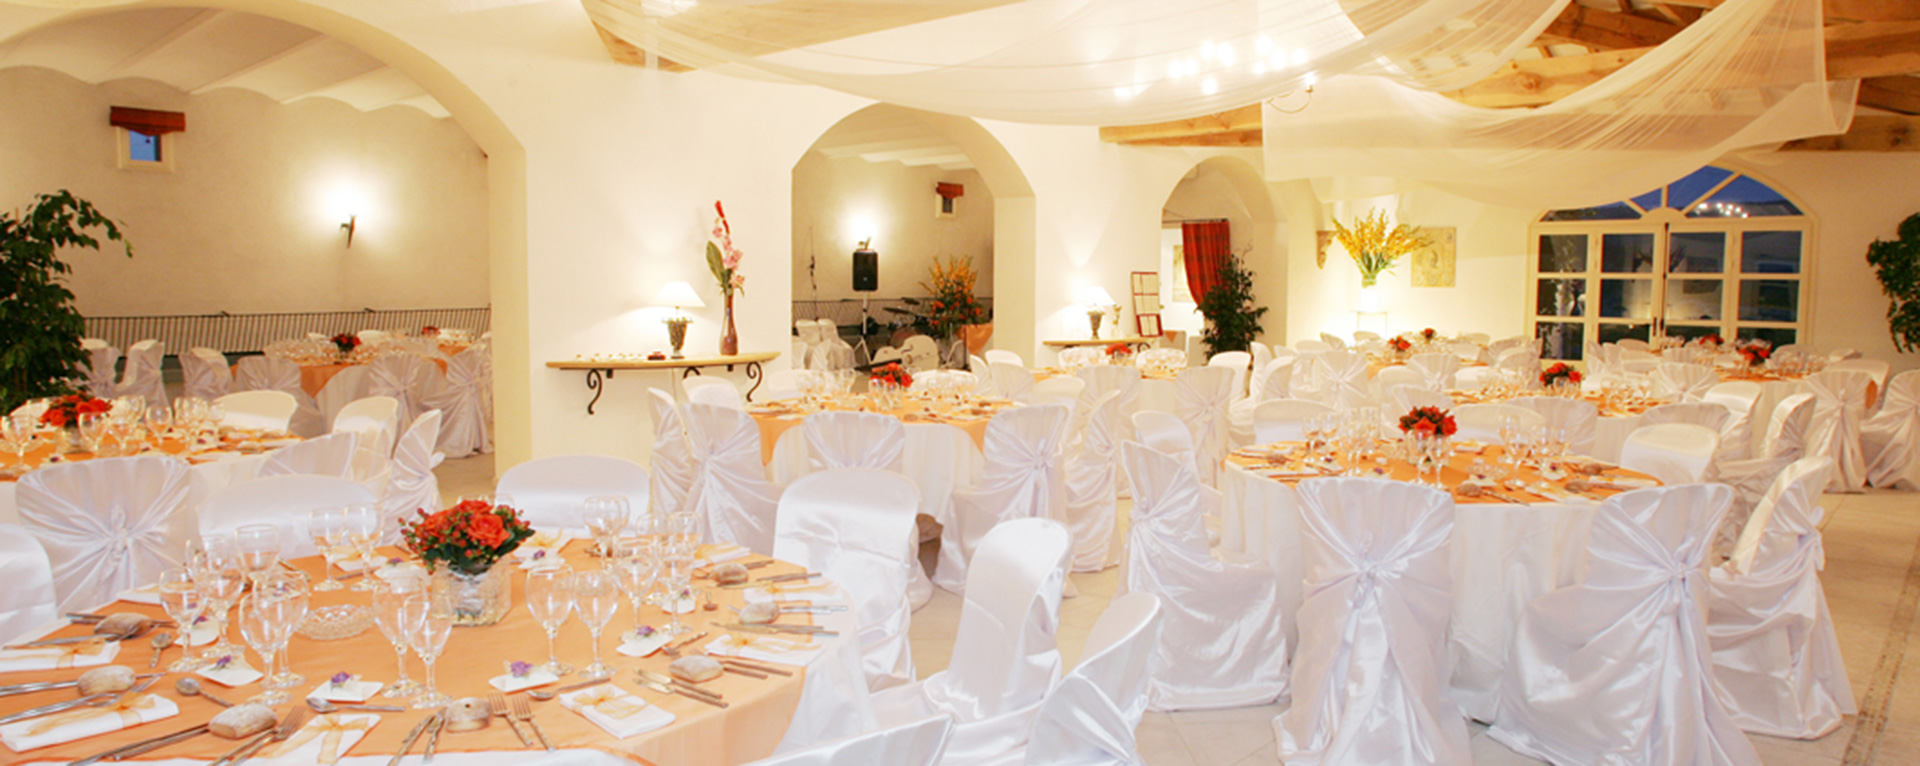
[(987, 381)]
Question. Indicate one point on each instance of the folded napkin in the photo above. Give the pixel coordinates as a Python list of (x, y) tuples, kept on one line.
[(325, 738), (1561, 496), (551, 542), (618, 713), (81, 655), (82, 722), (1622, 482), (145, 594), (783, 649), (721, 554)]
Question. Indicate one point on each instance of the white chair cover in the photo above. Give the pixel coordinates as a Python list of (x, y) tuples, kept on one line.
[(832, 353), (377, 420), (1223, 644), (1705, 412), (1310, 345), (1074, 358), (1618, 669), (1370, 672), (1637, 361), (1579, 416), (713, 390), (1340, 377), (918, 352), (856, 526), (1270, 382), (1164, 432), (330, 455), (1004, 356), (1121, 379), (1739, 398), (1405, 398), (1481, 422), (1285, 419), (142, 377), (1674, 453), (414, 486), (107, 524), (1062, 390), (1684, 382), (1436, 369), (1688, 354), (1262, 354), (1241, 362), (672, 475), (1774, 648), (914, 743), (260, 373), (206, 374), (1635, 344), (1523, 362), (551, 492), (1004, 655), (1840, 403), (465, 427), (1010, 381), (806, 336), (854, 440), (1891, 440), (101, 358), (1090, 717), (28, 601), (1090, 488), (403, 377), (1397, 376), (1202, 399), (263, 410), (1876, 368), (1333, 341), (1751, 478), (730, 494), (1475, 378), (282, 501), (1022, 480)]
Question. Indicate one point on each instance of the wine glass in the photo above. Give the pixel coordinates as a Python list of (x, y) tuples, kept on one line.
[(93, 425), (328, 529), (290, 588), (550, 599), (261, 620), (677, 573), (389, 614), (184, 603), (634, 567), (16, 433), (596, 594), (604, 517), (217, 573), (259, 549), (432, 620), (363, 532)]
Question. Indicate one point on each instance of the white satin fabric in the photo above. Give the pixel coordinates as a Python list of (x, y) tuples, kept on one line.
[(1090, 717), (282, 501), (260, 410), (206, 374), (1005, 658), (106, 524), (1785, 443), (1701, 413), (1874, 368), (1481, 422), (1285, 419), (1241, 362), (1523, 362), (259, 373), (408, 379), (1405, 398), (1091, 496), (1022, 479), (101, 358), (1165, 433), (142, 376), (1674, 453), (1274, 380), (832, 353), (914, 743), (1064, 391), (1203, 396), (1010, 381), (1223, 643), (1741, 400), (1579, 416), (1774, 648), (1370, 672), (715, 391), (377, 420), (1334, 342), (1123, 379), (856, 526), (1340, 380), (1475, 378), (465, 428), (1603, 360), (1618, 670), (27, 603), (854, 440), (730, 495), (1683, 381), (551, 492), (1394, 377), (672, 464), (1891, 440), (414, 487), (1436, 369), (330, 455), (1840, 403), (344, 388)]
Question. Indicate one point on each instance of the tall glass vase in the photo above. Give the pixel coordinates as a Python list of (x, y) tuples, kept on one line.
[(729, 336)]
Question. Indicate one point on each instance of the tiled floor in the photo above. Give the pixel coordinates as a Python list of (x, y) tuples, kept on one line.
[(1872, 580)]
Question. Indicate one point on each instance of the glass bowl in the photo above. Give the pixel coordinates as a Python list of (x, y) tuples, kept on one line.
[(332, 623)]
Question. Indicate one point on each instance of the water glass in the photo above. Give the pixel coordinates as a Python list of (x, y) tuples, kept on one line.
[(430, 616), (389, 615), (604, 517), (596, 595), (290, 587), (634, 568), (327, 527), (263, 619), (259, 549), (550, 600), (676, 574), (183, 602), (363, 533)]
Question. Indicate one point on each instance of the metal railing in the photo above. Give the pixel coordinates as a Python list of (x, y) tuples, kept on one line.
[(245, 333), (845, 312)]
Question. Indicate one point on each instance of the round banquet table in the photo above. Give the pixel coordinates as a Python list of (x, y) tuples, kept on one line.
[(942, 455), (823, 700), (1503, 556), (211, 469)]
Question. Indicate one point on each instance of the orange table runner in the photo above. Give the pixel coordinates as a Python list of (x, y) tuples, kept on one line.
[(775, 418), (1452, 474), (748, 729), (245, 443)]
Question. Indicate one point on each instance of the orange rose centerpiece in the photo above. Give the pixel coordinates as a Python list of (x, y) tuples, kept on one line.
[(1756, 353), (1559, 374), (65, 411), (466, 544)]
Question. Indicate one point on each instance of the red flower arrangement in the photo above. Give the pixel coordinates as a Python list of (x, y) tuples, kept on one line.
[(1399, 343), (1118, 350), (1428, 334), (1756, 354), (429, 332), (1432, 420), (891, 373), (66, 410), (467, 538), (1710, 339), (346, 342), (1559, 372)]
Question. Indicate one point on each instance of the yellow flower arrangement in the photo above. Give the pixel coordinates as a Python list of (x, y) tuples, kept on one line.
[(1374, 247)]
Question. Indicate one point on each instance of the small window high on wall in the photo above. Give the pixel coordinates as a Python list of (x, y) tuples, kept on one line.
[(141, 137), (1714, 253)]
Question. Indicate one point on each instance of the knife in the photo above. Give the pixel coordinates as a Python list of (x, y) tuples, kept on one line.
[(40, 686), (295, 719), (407, 744), (63, 641), (803, 630), (56, 707), (433, 735), (677, 684), (135, 748), (664, 689)]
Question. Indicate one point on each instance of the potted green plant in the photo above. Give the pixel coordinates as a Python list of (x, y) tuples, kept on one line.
[(1897, 264), (1232, 318), (38, 321)]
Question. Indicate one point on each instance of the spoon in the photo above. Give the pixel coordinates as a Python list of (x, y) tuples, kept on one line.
[(191, 688), (325, 706), (160, 643), (709, 606)]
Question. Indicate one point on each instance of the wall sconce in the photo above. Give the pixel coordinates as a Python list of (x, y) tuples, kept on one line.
[(352, 223), (678, 294)]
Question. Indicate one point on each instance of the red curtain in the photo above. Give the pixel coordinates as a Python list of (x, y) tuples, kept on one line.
[(1207, 246)]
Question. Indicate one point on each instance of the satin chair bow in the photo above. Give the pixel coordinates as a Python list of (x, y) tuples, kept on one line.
[(128, 709), (612, 703), (330, 730)]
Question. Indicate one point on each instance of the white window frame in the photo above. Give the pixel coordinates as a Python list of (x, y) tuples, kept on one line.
[(123, 147)]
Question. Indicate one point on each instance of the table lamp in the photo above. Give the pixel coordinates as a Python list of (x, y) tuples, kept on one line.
[(1098, 303), (677, 295)]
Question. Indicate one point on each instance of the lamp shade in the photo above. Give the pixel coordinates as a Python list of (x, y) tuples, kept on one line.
[(677, 295), (1096, 297)]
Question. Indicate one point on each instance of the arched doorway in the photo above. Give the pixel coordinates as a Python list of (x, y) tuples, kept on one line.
[(1230, 190)]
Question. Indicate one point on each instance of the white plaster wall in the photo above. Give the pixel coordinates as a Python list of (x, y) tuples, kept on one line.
[(1208, 192), (837, 201), (249, 218)]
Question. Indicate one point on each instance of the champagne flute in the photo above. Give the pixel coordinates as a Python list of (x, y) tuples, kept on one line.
[(216, 571), (678, 574), (363, 532), (259, 549), (604, 516), (597, 596), (260, 620), (635, 570), (184, 603), (550, 599), (389, 614), (290, 589), (432, 620), (328, 529)]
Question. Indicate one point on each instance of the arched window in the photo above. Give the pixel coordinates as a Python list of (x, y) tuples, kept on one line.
[(1714, 253)]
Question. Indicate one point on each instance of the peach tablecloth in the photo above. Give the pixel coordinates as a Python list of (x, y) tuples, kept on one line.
[(314, 377), (774, 422)]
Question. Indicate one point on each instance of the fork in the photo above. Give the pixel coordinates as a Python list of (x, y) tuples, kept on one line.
[(523, 711), (497, 704)]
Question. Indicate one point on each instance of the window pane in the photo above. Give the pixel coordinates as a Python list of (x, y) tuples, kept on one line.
[(1693, 299), (1685, 191), (1690, 332), (1560, 340), (1617, 211), (1561, 298), (1770, 252), (1626, 253), (1778, 336), (1560, 253), (142, 147), (1769, 300), (1649, 201), (1697, 252), (1626, 298), (1744, 198), (1614, 333)]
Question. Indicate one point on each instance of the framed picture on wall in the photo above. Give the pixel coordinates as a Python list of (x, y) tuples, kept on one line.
[(1146, 303), (1149, 325)]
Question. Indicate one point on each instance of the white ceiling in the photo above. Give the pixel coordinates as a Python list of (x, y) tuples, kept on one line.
[(892, 135), (200, 49)]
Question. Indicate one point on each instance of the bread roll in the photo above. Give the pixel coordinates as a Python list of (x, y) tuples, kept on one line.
[(730, 573), (695, 668), (242, 721), (468, 714), (107, 678), (760, 613), (120, 624)]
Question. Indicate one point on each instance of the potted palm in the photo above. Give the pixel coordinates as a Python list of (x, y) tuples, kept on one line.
[(38, 321)]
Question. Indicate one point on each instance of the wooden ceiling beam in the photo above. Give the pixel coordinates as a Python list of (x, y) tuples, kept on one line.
[(1873, 49), (1543, 81), (1606, 30), (1894, 94), (1234, 127), (1869, 133), (1841, 10)]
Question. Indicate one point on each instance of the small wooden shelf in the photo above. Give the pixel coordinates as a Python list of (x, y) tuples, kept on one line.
[(1136, 342), (599, 369)]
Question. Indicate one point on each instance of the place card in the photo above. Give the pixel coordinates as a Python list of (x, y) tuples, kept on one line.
[(354, 690), (510, 683), (235, 673), (636, 646)]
